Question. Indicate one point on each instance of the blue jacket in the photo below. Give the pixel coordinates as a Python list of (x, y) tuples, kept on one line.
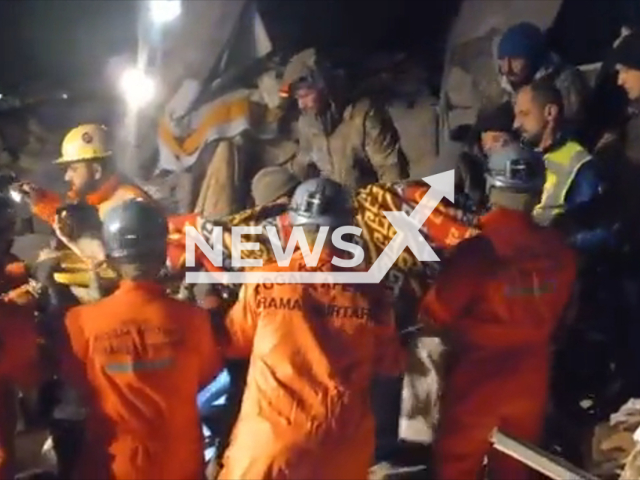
[(587, 187)]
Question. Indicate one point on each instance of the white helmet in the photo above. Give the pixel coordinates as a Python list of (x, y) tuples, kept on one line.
[(515, 168), (322, 202)]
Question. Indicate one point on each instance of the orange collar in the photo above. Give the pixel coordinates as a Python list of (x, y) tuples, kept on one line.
[(102, 194)]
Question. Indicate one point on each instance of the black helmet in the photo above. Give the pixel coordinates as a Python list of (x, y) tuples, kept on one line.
[(8, 223), (135, 231), (321, 202), (79, 219), (8, 215)]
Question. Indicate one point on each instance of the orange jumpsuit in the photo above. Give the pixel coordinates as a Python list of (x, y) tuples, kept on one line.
[(500, 300), (45, 203), (138, 358), (313, 350), (19, 367), (15, 276)]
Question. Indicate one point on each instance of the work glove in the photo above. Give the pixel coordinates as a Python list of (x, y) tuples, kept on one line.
[(27, 191)]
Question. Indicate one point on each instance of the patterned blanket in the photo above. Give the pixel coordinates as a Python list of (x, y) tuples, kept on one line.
[(445, 227)]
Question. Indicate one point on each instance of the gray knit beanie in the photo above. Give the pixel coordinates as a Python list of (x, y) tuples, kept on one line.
[(271, 183)]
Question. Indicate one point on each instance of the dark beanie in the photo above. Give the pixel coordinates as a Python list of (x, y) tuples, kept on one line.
[(523, 40), (627, 52), (495, 119)]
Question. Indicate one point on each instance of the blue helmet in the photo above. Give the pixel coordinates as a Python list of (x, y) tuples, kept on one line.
[(321, 202), (515, 168)]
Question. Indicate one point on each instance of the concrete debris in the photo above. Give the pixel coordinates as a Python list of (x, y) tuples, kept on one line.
[(421, 391), (613, 449), (629, 413), (631, 470)]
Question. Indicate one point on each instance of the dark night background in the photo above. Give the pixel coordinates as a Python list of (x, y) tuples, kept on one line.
[(49, 43)]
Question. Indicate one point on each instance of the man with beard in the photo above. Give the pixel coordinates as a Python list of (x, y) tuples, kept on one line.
[(90, 171), (573, 179), (353, 144), (523, 57), (626, 56)]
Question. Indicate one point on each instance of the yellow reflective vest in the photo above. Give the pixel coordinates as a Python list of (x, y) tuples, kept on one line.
[(562, 164)]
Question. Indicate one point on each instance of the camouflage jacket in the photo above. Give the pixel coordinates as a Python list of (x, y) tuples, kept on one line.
[(363, 148)]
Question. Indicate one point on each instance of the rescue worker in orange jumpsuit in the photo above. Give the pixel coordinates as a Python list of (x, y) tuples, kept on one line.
[(91, 173), (313, 350), (138, 359), (19, 360), (499, 300)]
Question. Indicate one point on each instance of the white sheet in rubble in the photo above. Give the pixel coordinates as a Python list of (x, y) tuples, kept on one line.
[(628, 413), (421, 391), (178, 106), (182, 126)]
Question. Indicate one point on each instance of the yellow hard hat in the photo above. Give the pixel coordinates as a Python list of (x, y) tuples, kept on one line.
[(85, 142)]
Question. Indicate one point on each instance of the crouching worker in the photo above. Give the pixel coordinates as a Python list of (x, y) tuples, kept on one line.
[(499, 298), (313, 350), (138, 359)]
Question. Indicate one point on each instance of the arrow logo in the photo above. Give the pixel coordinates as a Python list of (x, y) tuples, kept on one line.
[(407, 235)]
